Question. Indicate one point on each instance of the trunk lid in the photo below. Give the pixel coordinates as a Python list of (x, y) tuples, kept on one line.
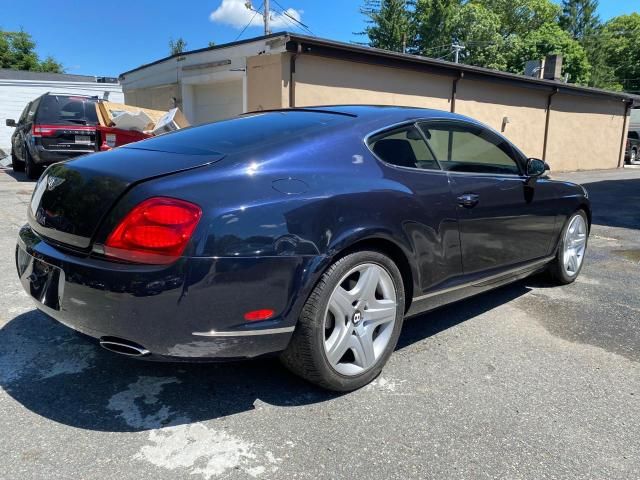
[(72, 198), (66, 138)]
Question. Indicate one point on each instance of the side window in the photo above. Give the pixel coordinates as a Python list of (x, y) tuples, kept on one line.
[(634, 135), (469, 148), (32, 110), (404, 147), (23, 115)]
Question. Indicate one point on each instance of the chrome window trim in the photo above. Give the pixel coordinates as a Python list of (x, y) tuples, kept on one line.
[(416, 121), (504, 175)]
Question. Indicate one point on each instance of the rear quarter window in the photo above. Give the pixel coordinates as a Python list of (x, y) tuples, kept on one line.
[(404, 147)]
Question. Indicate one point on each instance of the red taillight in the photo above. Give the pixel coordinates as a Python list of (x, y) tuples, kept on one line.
[(257, 315), (155, 231), (44, 130), (51, 130)]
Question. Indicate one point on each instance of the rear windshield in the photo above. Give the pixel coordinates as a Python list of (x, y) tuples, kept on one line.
[(65, 110), (243, 133)]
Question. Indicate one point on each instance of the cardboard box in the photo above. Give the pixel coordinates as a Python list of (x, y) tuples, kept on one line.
[(138, 121), (108, 110), (172, 120), (156, 121)]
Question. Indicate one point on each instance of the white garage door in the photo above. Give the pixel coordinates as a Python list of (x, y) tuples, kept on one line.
[(217, 101)]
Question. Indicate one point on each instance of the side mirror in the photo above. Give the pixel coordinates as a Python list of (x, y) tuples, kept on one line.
[(10, 122), (536, 167)]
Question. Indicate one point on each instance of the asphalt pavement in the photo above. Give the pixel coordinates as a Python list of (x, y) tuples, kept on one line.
[(527, 382)]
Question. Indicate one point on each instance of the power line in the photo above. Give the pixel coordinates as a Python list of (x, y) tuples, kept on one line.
[(284, 12), (250, 22), (437, 48), (442, 58), (289, 22)]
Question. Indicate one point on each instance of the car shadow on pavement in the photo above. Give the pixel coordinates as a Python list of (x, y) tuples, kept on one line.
[(615, 203), (19, 176), (428, 324), (67, 378)]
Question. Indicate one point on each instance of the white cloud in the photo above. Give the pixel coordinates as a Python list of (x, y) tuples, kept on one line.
[(236, 14)]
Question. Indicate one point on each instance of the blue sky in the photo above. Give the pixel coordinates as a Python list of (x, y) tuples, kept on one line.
[(121, 35)]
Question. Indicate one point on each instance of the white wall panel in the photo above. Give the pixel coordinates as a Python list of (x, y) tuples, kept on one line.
[(15, 94)]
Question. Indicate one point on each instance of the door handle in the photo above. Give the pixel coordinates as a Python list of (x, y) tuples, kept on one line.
[(468, 200)]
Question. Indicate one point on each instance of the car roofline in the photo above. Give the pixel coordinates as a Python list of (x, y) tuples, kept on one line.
[(303, 109), (68, 95)]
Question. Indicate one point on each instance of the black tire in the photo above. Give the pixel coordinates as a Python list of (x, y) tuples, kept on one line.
[(32, 170), (16, 164), (556, 269), (305, 356)]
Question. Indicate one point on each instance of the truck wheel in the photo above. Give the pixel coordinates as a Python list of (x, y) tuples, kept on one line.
[(350, 323), (633, 159), (32, 170), (16, 164)]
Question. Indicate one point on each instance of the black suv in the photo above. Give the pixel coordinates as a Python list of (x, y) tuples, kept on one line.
[(52, 128), (632, 153)]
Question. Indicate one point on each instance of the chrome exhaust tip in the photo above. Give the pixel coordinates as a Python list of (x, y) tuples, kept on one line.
[(123, 347)]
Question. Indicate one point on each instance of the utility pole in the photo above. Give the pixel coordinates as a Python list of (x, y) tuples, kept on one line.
[(457, 48), (266, 14)]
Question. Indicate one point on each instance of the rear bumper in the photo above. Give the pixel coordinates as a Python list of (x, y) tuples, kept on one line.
[(193, 309), (41, 156)]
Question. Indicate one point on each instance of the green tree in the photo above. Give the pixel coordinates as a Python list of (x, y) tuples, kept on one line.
[(521, 17), (388, 25), (50, 64), (579, 18), (22, 55), (547, 40), (478, 29), (433, 23), (602, 73), (177, 46), (497, 34), (621, 48), (17, 52)]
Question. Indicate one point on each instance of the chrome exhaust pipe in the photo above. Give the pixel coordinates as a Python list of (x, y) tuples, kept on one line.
[(123, 347)]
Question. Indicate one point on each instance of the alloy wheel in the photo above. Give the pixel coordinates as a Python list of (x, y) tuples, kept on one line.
[(575, 242), (359, 319)]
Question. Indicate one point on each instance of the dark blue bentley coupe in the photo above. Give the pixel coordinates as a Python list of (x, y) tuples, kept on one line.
[(309, 232)]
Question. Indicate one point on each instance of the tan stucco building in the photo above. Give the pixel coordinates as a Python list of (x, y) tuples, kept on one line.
[(573, 128)]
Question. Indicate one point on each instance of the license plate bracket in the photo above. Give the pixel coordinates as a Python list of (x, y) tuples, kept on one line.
[(44, 282)]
